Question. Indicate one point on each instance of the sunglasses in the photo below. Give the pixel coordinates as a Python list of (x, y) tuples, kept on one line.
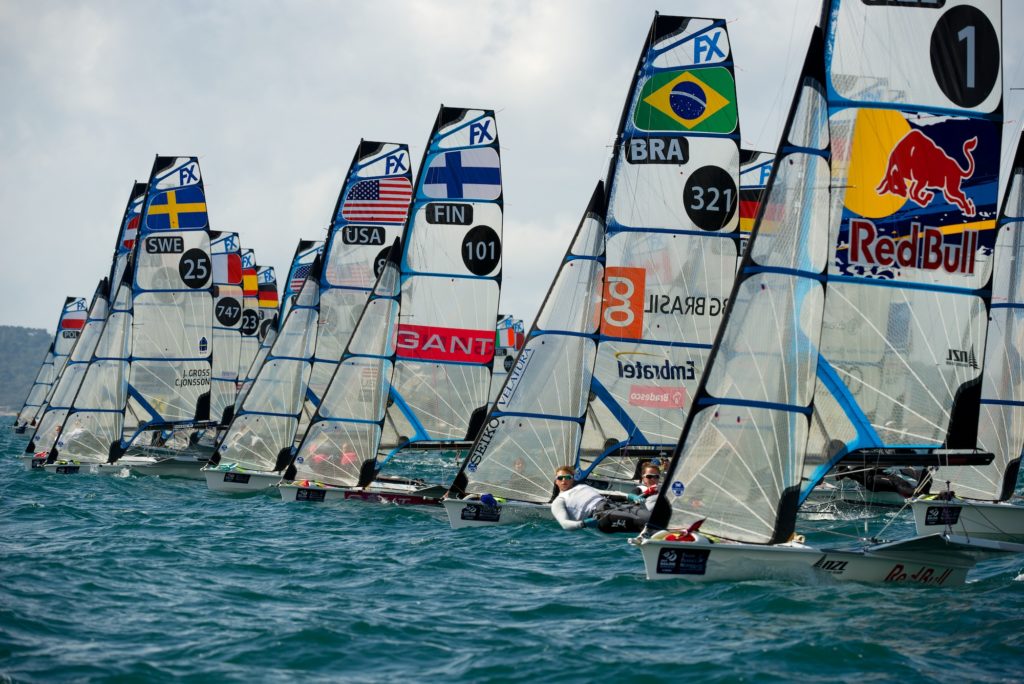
[(652, 476), (562, 478)]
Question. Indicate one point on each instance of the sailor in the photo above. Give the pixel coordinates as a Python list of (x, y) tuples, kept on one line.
[(648, 487), (579, 505)]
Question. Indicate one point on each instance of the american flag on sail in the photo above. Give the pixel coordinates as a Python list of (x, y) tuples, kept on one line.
[(298, 278), (381, 200)]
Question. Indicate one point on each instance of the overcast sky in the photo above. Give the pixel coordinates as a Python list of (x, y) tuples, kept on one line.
[(274, 96)]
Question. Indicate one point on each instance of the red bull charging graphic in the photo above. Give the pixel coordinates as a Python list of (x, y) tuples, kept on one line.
[(921, 197)]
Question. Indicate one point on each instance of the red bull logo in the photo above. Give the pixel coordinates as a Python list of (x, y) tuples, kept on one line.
[(925, 249), (917, 167)]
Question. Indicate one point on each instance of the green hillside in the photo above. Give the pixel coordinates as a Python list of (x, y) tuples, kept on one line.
[(21, 352)]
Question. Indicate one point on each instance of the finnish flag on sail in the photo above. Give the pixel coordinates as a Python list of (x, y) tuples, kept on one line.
[(464, 174)]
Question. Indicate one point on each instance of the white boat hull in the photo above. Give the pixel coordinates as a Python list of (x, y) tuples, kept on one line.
[(472, 513), (232, 481), (999, 521), (178, 466), (399, 494), (703, 561), (78, 468), (32, 462)]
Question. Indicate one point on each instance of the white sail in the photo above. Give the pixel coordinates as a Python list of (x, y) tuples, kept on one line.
[(537, 421), (673, 238), (69, 325), (250, 324), (228, 309), (1001, 425), (451, 271), (916, 156), (738, 462), (172, 305), (340, 447)]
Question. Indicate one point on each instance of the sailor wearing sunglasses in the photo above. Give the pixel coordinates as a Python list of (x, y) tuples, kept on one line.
[(579, 505)]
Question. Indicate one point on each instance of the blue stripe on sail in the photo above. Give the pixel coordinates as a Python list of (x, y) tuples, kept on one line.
[(482, 364), (169, 359), (1002, 402), (615, 228), (586, 473), (567, 333), (303, 359), (269, 414), (796, 149), (1008, 305), (539, 416), (430, 274), (629, 340), (866, 436), (925, 287), (403, 406), (746, 403), (574, 257), (134, 394), (632, 431), (837, 103), (359, 421), (776, 270)]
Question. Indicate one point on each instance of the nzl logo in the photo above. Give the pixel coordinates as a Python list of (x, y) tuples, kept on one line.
[(705, 48), (395, 163), (187, 175), (479, 132), (623, 302)]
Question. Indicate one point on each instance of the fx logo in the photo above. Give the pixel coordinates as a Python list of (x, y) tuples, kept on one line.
[(707, 43), (766, 172), (479, 133), (230, 244), (187, 175), (395, 163)]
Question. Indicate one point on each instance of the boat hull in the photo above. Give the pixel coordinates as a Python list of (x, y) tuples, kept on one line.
[(179, 465), (988, 520), (73, 468), (472, 513), (32, 462), (703, 561), (401, 495), (239, 482), (872, 567)]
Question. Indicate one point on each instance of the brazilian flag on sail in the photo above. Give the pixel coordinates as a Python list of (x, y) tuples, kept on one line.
[(688, 101)]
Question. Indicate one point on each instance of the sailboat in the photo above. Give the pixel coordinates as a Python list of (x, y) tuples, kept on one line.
[(156, 379), (972, 501), (68, 386), (729, 510), (228, 310), (249, 327), (371, 207), (69, 325), (669, 260), (444, 353), (259, 331)]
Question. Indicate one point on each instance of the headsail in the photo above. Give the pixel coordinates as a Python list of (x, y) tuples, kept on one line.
[(537, 421), (340, 447), (1001, 427), (172, 304), (917, 155), (69, 325), (451, 272), (672, 242), (737, 464)]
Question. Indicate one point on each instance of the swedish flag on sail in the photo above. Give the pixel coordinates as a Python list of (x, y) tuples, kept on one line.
[(689, 100), (184, 208)]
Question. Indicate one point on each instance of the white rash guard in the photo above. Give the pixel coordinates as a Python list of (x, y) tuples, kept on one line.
[(573, 505)]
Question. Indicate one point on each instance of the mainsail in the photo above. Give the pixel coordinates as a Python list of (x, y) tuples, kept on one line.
[(451, 272), (228, 310), (172, 305), (1001, 427), (305, 254), (672, 229), (69, 325), (916, 147), (250, 325), (537, 421), (737, 464)]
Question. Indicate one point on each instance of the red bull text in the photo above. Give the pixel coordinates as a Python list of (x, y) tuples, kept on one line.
[(925, 249)]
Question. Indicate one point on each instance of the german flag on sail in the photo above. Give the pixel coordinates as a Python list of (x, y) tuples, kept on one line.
[(750, 201), (268, 295)]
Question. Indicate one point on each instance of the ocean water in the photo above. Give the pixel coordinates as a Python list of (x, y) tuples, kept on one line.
[(129, 579)]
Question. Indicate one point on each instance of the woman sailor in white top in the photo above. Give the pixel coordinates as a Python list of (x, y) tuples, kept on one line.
[(580, 505)]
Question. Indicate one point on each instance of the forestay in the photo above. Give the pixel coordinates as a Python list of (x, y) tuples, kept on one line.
[(737, 464), (451, 272), (672, 236), (172, 304), (1001, 427), (340, 447), (537, 421), (916, 127)]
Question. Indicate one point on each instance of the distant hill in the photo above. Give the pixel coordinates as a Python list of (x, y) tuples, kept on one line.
[(21, 352)]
